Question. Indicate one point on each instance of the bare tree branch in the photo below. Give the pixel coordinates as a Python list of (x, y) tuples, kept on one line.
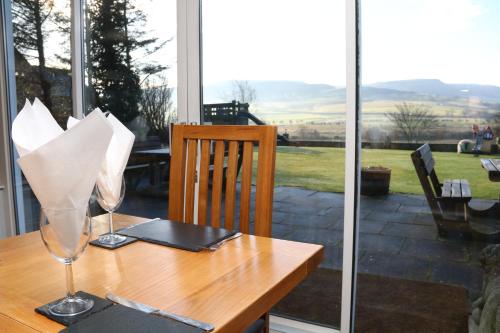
[(412, 120)]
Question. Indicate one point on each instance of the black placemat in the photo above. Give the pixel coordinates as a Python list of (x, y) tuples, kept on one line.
[(121, 319), (99, 305), (128, 241), (184, 236)]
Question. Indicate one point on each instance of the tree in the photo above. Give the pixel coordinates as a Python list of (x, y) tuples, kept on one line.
[(29, 18), (156, 106), (243, 92), (113, 72), (412, 120)]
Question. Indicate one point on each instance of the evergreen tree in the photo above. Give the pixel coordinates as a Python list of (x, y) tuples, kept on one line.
[(29, 18), (114, 34)]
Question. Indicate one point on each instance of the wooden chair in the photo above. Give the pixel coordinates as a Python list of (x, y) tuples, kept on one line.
[(191, 145), (449, 201)]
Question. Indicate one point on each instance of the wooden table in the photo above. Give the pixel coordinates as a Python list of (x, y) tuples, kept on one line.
[(229, 288), (492, 166)]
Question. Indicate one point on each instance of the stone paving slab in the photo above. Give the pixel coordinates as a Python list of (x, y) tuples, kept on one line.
[(395, 266), (316, 236), (368, 226), (415, 230), (381, 243), (435, 249), (398, 217)]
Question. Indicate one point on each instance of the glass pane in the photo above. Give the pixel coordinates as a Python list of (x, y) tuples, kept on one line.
[(430, 74), (130, 51), (282, 63), (41, 35)]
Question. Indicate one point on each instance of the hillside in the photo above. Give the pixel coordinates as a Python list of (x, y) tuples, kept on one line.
[(437, 88), (317, 111), (414, 90)]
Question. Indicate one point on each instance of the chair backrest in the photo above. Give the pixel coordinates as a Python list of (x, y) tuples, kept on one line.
[(424, 166), (191, 146)]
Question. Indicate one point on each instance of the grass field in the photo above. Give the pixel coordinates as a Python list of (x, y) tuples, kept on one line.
[(322, 169)]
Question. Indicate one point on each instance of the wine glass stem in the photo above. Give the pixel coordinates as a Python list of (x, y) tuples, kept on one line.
[(110, 222), (69, 281)]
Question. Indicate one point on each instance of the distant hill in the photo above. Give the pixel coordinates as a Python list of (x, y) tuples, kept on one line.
[(268, 91), (437, 88), (290, 91)]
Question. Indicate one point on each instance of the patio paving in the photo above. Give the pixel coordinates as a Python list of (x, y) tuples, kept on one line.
[(398, 237)]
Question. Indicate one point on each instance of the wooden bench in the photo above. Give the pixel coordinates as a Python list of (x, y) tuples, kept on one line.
[(492, 166), (455, 195), (449, 200)]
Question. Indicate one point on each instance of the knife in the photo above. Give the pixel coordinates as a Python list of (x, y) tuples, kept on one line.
[(216, 246), (149, 309), (136, 224)]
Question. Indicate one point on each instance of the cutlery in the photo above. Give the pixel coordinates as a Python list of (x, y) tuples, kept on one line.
[(151, 310), (216, 246), (136, 224)]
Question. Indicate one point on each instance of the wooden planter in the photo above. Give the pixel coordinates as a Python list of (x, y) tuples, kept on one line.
[(375, 180)]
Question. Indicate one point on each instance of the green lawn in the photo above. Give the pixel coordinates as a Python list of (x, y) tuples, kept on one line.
[(322, 169)]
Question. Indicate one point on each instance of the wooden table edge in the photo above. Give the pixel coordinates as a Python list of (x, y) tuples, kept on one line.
[(274, 295)]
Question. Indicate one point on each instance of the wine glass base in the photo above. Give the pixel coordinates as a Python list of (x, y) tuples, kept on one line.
[(112, 239), (71, 306)]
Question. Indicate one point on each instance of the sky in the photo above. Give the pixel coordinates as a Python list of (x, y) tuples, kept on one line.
[(455, 41)]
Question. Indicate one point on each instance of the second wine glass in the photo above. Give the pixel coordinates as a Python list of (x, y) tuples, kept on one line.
[(110, 202)]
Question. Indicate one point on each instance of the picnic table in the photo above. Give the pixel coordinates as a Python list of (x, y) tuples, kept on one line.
[(492, 166), (156, 160)]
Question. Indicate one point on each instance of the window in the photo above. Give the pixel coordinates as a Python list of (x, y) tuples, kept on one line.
[(282, 63)]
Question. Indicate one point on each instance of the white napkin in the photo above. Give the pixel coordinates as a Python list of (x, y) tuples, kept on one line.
[(110, 176), (61, 166)]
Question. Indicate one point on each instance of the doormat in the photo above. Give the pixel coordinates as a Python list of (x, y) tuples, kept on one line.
[(383, 304)]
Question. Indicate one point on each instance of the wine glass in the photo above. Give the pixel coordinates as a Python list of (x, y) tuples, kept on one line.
[(110, 202), (66, 233)]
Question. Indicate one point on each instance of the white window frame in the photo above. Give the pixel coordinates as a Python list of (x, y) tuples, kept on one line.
[(352, 165), (189, 61), (189, 99)]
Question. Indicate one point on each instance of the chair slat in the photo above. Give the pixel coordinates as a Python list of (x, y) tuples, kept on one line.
[(231, 173), (424, 149), (446, 193), (217, 183), (428, 162), (246, 186), (203, 186), (177, 167), (465, 187), (489, 165), (496, 164), (190, 181), (224, 132), (265, 185), (456, 191)]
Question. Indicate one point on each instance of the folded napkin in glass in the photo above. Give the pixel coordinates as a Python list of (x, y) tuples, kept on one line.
[(113, 165), (60, 166), (190, 237)]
